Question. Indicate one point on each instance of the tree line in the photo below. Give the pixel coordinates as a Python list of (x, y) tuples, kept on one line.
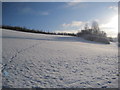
[(92, 33), (23, 29)]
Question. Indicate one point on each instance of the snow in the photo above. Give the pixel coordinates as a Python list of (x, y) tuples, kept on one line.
[(54, 61)]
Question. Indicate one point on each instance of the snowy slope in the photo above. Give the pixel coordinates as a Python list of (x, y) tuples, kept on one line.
[(54, 61)]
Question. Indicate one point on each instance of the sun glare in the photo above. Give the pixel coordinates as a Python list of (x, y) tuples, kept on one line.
[(114, 23), (112, 26)]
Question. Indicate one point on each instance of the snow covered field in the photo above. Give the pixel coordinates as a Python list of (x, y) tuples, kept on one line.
[(54, 61)]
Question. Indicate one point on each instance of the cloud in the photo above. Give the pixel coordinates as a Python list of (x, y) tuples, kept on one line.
[(72, 27), (28, 10), (113, 7), (44, 13), (74, 24), (76, 4), (71, 4)]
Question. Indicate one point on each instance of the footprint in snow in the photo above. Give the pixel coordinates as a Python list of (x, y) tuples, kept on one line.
[(5, 73), (104, 87), (113, 78), (109, 82)]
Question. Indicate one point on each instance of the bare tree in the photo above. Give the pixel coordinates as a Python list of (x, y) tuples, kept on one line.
[(95, 26), (86, 26)]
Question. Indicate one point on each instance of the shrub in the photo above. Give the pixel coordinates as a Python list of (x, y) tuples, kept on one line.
[(96, 38), (94, 34)]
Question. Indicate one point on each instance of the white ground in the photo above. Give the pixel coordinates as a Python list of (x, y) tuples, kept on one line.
[(53, 61)]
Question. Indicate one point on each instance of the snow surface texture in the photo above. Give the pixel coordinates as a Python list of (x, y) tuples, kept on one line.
[(54, 61)]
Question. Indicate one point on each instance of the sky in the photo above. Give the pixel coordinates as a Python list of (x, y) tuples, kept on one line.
[(61, 16)]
